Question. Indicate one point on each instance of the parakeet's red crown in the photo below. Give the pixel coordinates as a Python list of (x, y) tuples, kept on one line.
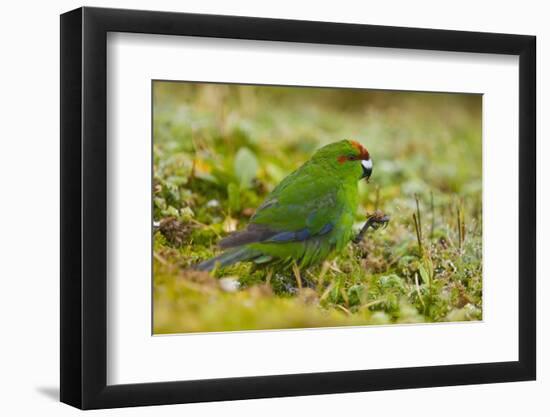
[(363, 154)]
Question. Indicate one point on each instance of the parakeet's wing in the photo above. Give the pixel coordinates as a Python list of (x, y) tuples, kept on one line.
[(307, 203)]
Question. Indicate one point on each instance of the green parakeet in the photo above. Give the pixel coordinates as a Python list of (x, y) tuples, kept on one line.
[(307, 217)]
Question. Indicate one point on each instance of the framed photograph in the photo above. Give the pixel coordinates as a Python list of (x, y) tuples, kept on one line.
[(257, 208)]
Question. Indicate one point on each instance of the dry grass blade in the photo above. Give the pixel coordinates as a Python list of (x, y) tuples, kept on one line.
[(461, 228), (418, 214), (344, 309), (432, 210), (327, 291), (297, 275), (373, 303), (268, 276), (418, 226), (418, 234), (417, 287)]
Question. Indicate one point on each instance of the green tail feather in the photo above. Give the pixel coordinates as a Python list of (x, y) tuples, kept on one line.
[(228, 258)]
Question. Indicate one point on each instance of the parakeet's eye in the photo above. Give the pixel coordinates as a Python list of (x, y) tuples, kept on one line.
[(367, 168)]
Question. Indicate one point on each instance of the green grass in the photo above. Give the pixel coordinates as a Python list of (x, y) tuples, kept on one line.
[(218, 150)]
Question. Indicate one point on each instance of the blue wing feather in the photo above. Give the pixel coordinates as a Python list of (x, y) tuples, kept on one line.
[(298, 236)]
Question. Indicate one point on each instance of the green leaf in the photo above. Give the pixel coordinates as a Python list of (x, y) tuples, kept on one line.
[(245, 166), (234, 197), (392, 281), (357, 294), (186, 213), (171, 211), (424, 275)]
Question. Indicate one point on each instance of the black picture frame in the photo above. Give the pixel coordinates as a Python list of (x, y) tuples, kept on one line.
[(84, 207)]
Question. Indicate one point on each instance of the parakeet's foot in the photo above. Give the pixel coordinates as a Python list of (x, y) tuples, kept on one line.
[(375, 221)]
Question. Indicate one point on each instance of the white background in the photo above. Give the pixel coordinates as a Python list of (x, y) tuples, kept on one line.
[(29, 174), (133, 60)]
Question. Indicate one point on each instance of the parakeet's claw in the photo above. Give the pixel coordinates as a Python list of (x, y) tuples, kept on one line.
[(379, 222), (375, 220), (378, 219)]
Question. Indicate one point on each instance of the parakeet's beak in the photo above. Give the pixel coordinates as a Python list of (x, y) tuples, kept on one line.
[(366, 164)]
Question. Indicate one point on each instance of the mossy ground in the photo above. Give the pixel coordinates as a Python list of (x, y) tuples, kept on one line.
[(218, 150)]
